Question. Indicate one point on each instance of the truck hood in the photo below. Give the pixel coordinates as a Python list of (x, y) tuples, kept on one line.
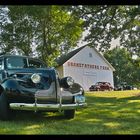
[(23, 77)]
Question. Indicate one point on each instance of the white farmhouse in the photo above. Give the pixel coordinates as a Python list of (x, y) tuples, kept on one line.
[(87, 66)]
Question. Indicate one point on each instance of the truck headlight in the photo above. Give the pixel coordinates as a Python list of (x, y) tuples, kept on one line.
[(35, 78), (66, 82)]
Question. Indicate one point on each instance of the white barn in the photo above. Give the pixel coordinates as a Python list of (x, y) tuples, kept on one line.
[(87, 66)]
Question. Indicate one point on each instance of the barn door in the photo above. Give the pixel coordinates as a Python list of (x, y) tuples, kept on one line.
[(89, 80)]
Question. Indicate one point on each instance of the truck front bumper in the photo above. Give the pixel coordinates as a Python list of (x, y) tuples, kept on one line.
[(79, 102), (35, 107)]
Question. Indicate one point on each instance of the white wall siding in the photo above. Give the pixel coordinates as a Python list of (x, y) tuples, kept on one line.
[(87, 67)]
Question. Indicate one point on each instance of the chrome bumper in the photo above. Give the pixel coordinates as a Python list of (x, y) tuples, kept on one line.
[(57, 107), (35, 106)]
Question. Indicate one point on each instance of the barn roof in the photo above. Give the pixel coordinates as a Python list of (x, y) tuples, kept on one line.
[(65, 57)]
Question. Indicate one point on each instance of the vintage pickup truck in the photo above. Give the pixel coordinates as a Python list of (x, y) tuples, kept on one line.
[(28, 84)]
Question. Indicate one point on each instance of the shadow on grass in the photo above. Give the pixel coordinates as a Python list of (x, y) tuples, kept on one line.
[(104, 115), (36, 116), (115, 115)]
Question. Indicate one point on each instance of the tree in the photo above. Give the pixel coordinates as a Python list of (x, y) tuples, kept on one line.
[(106, 22), (126, 68), (136, 71), (59, 32), (17, 32), (3, 23), (47, 30)]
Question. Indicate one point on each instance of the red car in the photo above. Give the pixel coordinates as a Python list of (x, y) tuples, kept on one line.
[(101, 86)]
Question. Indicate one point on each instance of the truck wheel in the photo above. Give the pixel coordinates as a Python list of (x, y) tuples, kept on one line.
[(69, 114), (4, 107)]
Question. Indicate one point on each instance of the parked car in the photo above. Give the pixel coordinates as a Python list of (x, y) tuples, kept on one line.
[(118, 87), (101, 86), (28, 84), (123, 86)]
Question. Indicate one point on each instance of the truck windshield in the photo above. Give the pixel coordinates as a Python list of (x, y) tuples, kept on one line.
[(21, 62), (16, 62)]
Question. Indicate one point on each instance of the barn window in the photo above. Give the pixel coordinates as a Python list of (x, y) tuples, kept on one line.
[(90, 54)]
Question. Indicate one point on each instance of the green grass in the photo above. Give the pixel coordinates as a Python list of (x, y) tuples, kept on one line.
[(115, 112)]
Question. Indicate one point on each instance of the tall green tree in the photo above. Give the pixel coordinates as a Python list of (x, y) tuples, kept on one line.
[(46, 30), (136, 71), (126, 68), (58, 31), (107, 22), (17, 33), (4, 46)]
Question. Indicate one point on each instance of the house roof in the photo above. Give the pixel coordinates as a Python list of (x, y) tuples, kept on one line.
[(65, 57)]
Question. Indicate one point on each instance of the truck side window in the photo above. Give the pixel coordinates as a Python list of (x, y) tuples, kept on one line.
[(1, 67), (0, 64)]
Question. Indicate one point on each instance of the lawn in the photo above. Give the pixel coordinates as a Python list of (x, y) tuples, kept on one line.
[(114, 112)]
